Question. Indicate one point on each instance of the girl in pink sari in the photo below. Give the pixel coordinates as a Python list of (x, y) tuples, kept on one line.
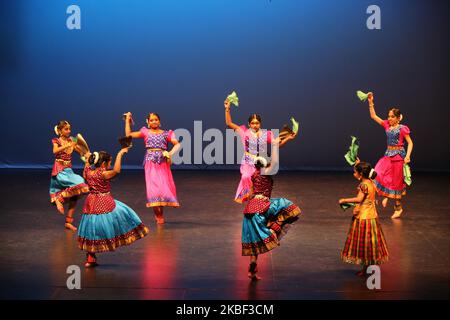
[(161, 191), (390, 180), (255, 141)]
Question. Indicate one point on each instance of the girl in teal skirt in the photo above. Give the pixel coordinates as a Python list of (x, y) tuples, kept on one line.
[(65, 185), (266, 219), (106, 223)]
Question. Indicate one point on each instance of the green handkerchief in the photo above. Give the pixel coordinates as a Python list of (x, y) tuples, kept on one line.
[(233, 98), (352, 153), (407, 174), (345, 206), (361, 95), (294, 125)]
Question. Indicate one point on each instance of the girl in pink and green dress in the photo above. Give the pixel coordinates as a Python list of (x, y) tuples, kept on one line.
[(161, 191), (255, 142), (390, 179)]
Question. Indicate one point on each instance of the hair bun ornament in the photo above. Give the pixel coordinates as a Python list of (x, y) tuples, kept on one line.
[(401, 117), (262, 160), (56, 130), (371, 173), (96, 157)]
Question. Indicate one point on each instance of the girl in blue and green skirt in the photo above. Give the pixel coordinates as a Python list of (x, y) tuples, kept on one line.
[(106, 223), (266, 219), (65, 185)]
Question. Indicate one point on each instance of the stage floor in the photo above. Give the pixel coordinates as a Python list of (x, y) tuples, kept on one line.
[(197, 253)]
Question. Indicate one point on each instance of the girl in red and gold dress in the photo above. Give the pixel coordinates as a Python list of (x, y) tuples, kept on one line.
[(106, 223), (266, 220)]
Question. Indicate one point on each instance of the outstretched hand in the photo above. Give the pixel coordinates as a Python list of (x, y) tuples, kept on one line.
[(290, 137), (226, 103)]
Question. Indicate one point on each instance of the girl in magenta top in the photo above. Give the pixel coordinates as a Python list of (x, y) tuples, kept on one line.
[(390, 179), (161, 191), (255, 141)]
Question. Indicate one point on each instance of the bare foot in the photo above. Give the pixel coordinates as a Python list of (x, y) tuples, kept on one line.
[(159, 219), (91, 261), (254, 276), (397, 214), (59, 206), (384, 202), (70, 227), (360, 273), (90, 264)]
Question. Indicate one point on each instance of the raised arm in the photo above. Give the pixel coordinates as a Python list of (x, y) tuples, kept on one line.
[(409, 149), (86, 164), (373, 114), (228, 120), (286, 139), (128, 132), (117, 165)]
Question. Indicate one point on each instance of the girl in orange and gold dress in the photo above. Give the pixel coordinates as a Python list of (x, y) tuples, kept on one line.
[(365, 244)]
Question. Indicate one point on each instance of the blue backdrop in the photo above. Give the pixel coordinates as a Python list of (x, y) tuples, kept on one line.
[(181, 58)]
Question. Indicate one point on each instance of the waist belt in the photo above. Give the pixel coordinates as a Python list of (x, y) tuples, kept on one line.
[(260, 197), (395, 147), (64, 162), (250, 154), (155, 149)]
